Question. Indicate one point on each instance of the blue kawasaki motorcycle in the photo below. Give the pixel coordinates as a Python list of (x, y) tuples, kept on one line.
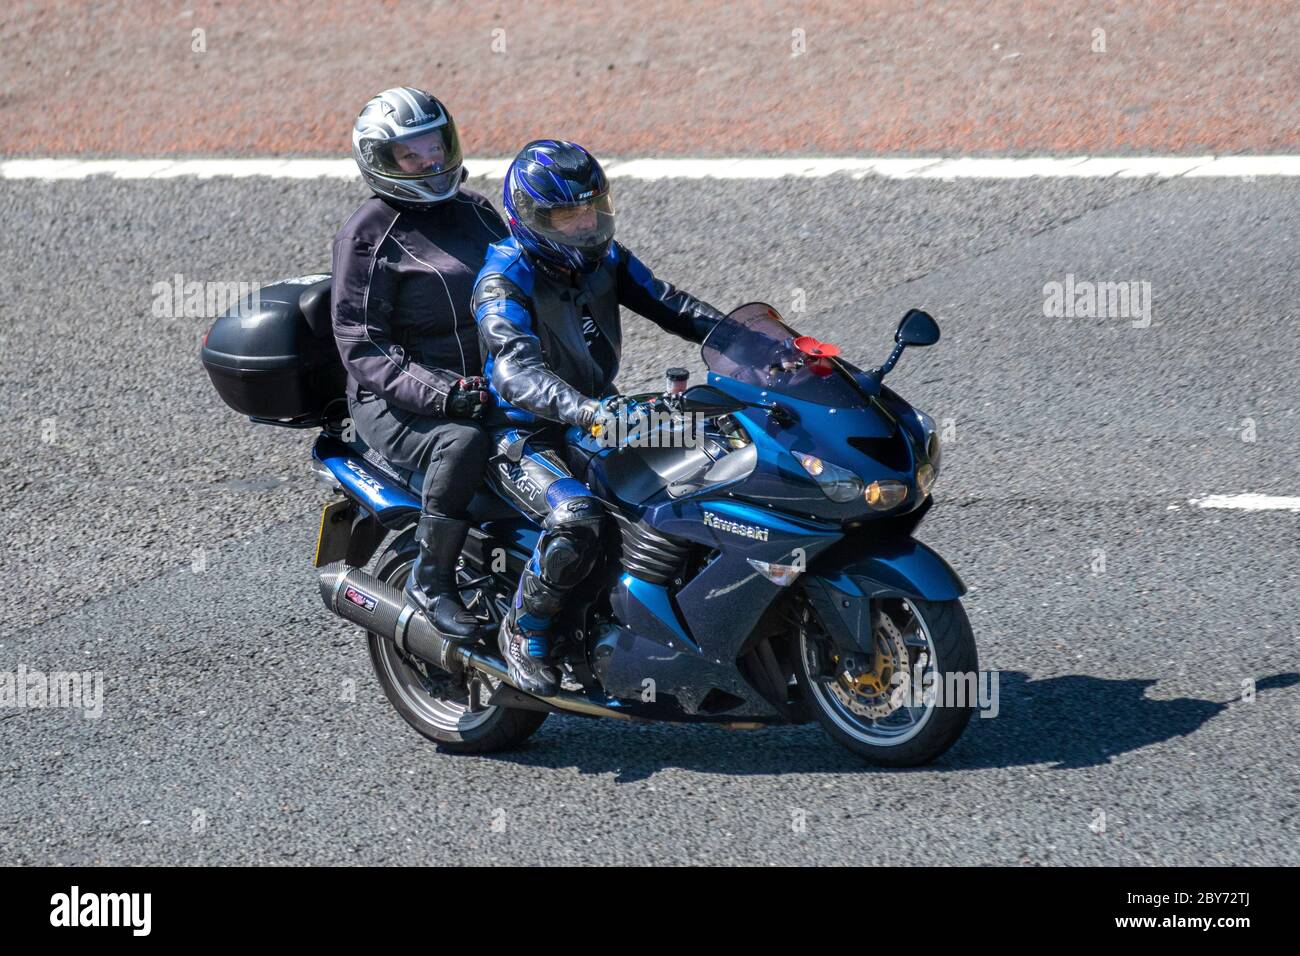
[(759, 568)]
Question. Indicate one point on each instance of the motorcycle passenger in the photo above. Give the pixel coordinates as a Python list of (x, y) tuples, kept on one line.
[(404, 269), (547, 305)]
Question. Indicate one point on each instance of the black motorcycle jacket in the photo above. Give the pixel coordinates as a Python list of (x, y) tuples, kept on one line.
[(552, 342), (403, 277)]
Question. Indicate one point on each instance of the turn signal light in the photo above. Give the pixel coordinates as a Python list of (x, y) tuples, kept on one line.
[(782, 574)]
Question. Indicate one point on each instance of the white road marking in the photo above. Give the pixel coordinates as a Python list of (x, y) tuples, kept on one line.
[(1249, 502), (1247, 167), (962, 167)]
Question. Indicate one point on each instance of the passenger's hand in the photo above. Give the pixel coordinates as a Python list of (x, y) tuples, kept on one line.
[(469, 398)]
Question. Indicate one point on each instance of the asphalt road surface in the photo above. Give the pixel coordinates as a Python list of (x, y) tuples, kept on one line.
[(1147, 648)]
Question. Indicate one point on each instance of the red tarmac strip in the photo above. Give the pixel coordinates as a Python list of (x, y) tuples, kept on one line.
[(658, 79)]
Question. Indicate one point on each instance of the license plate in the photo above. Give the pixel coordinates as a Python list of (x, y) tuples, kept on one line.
[(335, 532)]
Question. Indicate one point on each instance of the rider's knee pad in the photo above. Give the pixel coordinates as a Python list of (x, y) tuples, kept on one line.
[(570, 542), (564, 562)]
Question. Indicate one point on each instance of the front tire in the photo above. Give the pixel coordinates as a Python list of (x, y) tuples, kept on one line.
[(431, 700), (868, 706)]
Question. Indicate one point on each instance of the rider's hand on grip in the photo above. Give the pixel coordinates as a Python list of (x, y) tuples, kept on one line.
[(611, 419)]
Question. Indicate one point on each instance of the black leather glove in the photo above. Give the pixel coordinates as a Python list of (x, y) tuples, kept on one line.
[(611, 420), (469, 398), (587, 413)]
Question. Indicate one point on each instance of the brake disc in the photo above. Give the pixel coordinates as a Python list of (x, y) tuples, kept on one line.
[(880, 690)]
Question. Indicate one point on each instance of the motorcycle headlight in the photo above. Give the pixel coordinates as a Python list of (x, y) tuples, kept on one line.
[(883, 495), (838, 484)]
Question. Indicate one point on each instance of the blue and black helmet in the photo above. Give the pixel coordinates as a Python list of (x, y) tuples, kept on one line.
[(558, 204)]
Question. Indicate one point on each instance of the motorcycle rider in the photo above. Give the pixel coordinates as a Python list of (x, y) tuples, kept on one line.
[(404, 267), (547, 305)]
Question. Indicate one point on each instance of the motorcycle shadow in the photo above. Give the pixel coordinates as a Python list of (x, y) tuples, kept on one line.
[(1079, 721), (1069, 722)]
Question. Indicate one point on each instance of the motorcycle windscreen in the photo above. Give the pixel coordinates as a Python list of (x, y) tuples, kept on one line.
[(752, 345)]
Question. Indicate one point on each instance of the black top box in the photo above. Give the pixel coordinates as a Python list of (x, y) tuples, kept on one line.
[(273, 356)]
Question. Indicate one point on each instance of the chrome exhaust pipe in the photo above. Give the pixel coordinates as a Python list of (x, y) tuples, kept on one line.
[(360, 597)]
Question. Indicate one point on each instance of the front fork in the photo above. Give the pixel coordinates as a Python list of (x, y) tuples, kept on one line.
[(843, 612)]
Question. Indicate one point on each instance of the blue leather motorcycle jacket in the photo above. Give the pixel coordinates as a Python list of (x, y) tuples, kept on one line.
[(552, 341)]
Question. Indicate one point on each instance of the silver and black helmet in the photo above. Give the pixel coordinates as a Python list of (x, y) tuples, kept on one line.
[(406, 146)]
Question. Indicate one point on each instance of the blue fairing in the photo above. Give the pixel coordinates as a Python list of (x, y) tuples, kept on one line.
[(655, 599), (772, 513)]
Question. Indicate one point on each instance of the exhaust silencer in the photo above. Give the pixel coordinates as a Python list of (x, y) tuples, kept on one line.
[(380, 608), (363, 599)]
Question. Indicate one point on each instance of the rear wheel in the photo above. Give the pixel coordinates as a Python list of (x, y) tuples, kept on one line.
[(892, 707), (451, 710)]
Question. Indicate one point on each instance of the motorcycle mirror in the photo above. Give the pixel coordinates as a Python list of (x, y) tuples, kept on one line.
[(917, 328)]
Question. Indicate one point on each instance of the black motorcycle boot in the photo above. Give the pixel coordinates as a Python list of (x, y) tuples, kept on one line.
[(527, 656), (431, 586)]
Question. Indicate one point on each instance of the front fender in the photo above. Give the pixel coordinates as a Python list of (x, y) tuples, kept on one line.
[(902, 567), (842, 583)]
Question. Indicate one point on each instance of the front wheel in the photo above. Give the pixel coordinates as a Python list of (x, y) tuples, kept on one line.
[(451, 710), (904, 704)]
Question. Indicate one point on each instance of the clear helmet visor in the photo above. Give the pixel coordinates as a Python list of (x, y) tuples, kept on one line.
[(431, 155), (587, 226)]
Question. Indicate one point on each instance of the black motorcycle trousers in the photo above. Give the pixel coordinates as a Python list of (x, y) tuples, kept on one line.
[(452, 453)]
